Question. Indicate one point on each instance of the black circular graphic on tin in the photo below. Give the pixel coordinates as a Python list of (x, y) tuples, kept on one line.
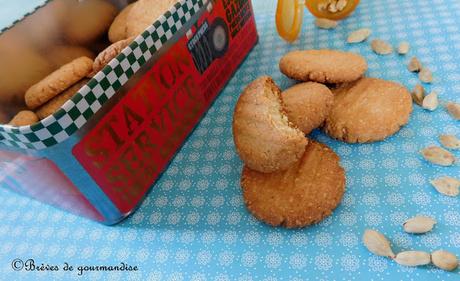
[(218, 37)]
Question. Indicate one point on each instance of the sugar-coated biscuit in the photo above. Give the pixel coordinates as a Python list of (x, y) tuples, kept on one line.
[(323, 66), (108, 54), (57, 82), (24, 118), (55, 103), (21, 67), (264, 138), (63, 54), (307, 105), (144, 13), (86, 21), (307, 192), (117, 30), (368, 110)]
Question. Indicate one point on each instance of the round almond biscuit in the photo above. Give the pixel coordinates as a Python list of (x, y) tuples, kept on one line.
[(24, 118), (264, 138), (307, 105), (323, 66), (368, 110), (117, 30), (144, 13), (304, 194), (58, 81), (55, 103)]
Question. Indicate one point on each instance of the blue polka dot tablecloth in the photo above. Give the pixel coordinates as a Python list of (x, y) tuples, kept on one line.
[(194, 225)]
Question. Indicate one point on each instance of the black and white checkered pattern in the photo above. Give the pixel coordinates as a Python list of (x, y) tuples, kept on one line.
[(90, 98)]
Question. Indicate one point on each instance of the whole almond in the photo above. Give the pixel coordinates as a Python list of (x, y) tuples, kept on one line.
[(325, 23), (381, 47), (444, 260), (438, 156), (430, 101), (413, 258), (447, 185), (414, 65), (418, 94), (419, 224), (403, 48), (449, 141), (359, 35), (377, 243), (453, 109), (425, 75)]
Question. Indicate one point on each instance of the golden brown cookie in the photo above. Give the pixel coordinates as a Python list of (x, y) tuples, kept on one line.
[(86, 21), (24, 118), (55, 103), (108, 54), (304, 194), (63, 54), (117, 30), (58, 81), (368, 110), (323, 66), (21, 67), (144, 13), (307, 105), (264, 138)]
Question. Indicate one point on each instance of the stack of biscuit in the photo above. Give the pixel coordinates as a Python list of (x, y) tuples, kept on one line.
[(292, 181), (45, 67)]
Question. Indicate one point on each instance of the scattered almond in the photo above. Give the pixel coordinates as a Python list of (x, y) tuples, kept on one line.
[(449, 141), (438, 155), (359, 35), (418, 94), (377, 243), (453, 109), (381, 47), (425, 75), (444, 260), (447, 185), (325, 23), (413, 258), (430, 101), (403, 48), (414, 65), (419, 224)]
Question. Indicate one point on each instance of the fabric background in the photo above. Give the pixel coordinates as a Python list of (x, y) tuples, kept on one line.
[(194, 225)]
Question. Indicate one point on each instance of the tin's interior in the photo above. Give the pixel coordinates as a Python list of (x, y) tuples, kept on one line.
[(48, 38)]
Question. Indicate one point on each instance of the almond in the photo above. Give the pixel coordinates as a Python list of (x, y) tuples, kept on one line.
[(403, 48), (413, 258), (418, 94), (359, 35), (425, 75), (414, 65), (381, 47), (430, 101), (438, 156), (325, 23), (419, 224), (444, 260), (449, 141), (453, 109), (377, 243), (447, 185)]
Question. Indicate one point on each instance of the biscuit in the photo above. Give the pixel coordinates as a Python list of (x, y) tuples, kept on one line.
[(323, 66), (58, 101), (368, 110), (86, 21), (263, 136), (21, 67), (24, 118), (144, 13), (108, 54), (117, 30), (57, 82), (63, 54), (304, 194), (307, 105)]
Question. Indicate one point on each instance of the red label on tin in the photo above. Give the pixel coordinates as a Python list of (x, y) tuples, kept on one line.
[(133, 143)]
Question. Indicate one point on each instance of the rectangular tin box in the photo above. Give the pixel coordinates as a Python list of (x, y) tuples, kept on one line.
[(100, 154)]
